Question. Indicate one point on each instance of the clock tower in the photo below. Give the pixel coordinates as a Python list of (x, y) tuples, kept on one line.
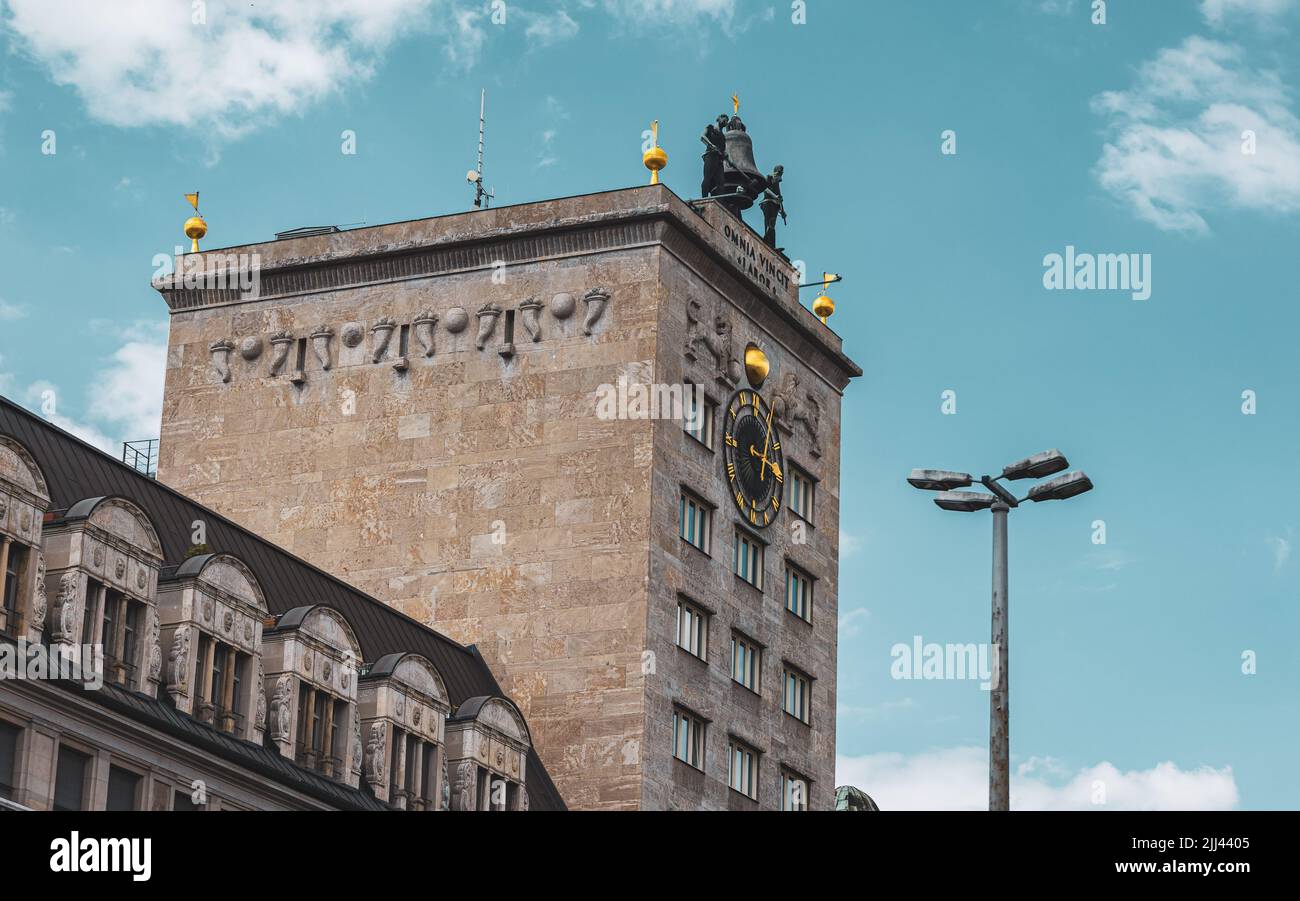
[(414, 408)]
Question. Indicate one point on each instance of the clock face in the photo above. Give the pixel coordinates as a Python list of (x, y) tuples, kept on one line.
[(755, 466)]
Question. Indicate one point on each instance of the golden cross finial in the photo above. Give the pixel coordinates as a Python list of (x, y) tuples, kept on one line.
[(735, 104)]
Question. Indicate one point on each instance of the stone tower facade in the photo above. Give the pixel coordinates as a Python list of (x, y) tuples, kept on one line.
[(417, 409)]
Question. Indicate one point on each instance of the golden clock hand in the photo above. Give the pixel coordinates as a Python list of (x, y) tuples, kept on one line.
[(762, 470)]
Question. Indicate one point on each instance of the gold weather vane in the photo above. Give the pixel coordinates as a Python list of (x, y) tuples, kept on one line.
[(655, 158), (195, 226), (735, 104), (823, 307)]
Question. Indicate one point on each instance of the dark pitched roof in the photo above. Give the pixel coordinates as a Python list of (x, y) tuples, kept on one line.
[(74, 471)]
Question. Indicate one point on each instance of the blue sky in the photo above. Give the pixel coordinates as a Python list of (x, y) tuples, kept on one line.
[(1123, 137)]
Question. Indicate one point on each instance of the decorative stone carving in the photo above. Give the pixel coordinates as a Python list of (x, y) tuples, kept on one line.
[(119, 570), (178, 676), (400, 706), (220, 351), (281, 708), (446, 783), (248, 630), (523, 798), (791, 406), (280, 344), (320, 345), (4, 505), (208, 610), (417, 715), (530, 315), (141, 579), (352, 334), (596, 300), (327, 670), (357, 750), (466, 785), (563, 305), (487, 323), (456, 320), (259, 717), (424, 325), (250, 348), (375, 754), (40, 600), (97, 558), (26, 520), (715, 340), (65, 608), (380, 334), (153, 648), (227, 622)]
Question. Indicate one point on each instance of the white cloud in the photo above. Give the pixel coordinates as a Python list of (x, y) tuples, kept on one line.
[(10, 312), (545, 29), (851, 622), (849, 544), (1174, 146), (6, 100), (144, 62), (123, 396), (664, 12), (957, 779), (1217, 12), (1281, 548)]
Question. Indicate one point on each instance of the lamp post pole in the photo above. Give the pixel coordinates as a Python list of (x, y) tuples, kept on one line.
[(999, 714)]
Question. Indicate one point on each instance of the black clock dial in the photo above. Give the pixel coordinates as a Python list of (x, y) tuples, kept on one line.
[(755, 466)]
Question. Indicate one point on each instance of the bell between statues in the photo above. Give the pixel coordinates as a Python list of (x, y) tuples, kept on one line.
[(742, 180)]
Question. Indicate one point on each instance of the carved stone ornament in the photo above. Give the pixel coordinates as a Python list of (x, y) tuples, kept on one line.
[(487, 323), (4, 505), (97, 558), (320, 345), (248, 630), (177, 669), (208, 610), (259, 717), (40, 600), (446, 783), (154, 645), (375, 754), (456, 320), (792, 406), (119, 570), (250, 348), (712, 342), (352, 334), (380, 334), (530, 312), (327, 670), (424, 325), (280, 343), (357, 751), (281, 708), (596, 300), (466, 783), (563, 305), (417, 715), (523, 798), (65, 608), (227, 622), (220, 351), (141, 579)]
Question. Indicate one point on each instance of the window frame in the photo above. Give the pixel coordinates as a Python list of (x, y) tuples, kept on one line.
[(749, 759), (10, 780), (87, 773), (15, 573), (755, 659), (702, 520), (710, 420), (700, 627), (694, 738), (789, 778), (795, 571), (800, 475), (789, 673), (756, 558)]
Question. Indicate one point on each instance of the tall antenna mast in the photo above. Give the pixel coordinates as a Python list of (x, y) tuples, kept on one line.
[(482, 196)]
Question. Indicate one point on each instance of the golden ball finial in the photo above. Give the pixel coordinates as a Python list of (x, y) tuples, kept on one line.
[(195, 226), (823, 307), (757, 366), (656, 158)]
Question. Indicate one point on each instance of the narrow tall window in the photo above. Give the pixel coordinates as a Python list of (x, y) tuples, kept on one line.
[(688, 739), (14, 556), (302, 355), (403, 340), (123, 789), (70, 779), (742, 769), (698, 414), (8, 759), (749, 558), (798, 592), (692, 629), (802, 489), (796, 697), (510, 327), (794, 792), (90, 612), (697, 521), (746, 662)]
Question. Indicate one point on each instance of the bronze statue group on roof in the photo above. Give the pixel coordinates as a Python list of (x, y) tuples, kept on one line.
[(733, 178)]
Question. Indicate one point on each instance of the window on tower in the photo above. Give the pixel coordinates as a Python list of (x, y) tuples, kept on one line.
[(697, 521)]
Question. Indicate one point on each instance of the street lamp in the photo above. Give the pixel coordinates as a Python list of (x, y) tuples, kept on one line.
[(1000, 502)]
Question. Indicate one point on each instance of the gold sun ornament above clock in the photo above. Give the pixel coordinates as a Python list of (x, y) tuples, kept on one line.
[(754, 463)]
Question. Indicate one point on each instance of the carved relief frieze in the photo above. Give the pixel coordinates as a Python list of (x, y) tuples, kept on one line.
[(424, 325), (487, 323), (220, 351), (280, 344), (597, 299), (380, 334), (320, 345)]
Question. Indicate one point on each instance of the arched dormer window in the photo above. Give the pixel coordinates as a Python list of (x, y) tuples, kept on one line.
[(104, 555), (312, 658), (487, 749), (212, 611), (403, 706), (24, 499)]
